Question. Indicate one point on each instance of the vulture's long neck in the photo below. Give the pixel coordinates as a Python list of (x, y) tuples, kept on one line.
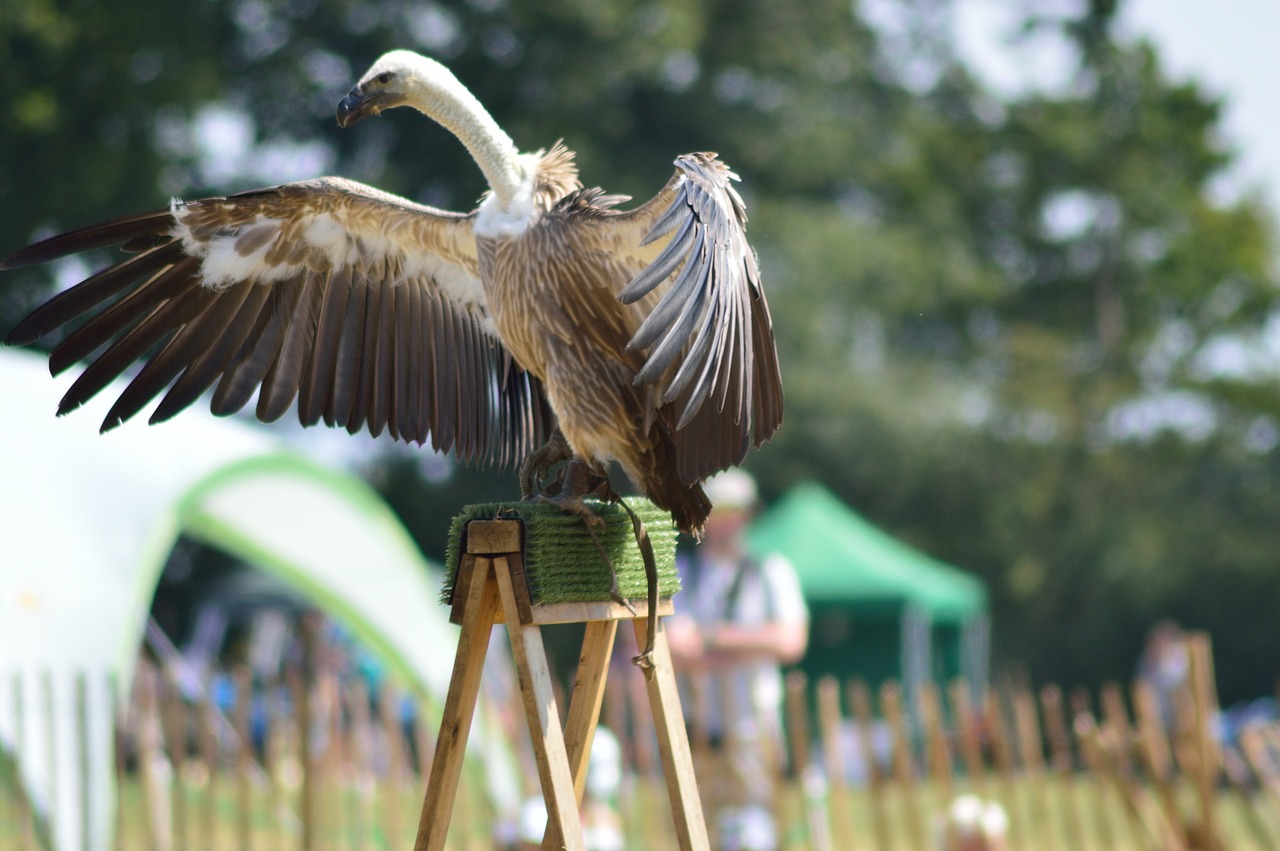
[(450, 103)]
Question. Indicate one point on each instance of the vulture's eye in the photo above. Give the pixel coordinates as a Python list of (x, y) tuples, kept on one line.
[(384, 78)]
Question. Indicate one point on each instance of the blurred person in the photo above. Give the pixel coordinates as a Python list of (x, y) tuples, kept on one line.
[(742, 618), (1164, 667), (971, 824), (601, 819)]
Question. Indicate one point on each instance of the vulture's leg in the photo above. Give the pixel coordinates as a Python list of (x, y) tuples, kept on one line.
[(540, 460), (578, 480)]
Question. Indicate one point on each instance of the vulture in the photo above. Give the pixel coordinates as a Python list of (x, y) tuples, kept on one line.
[(546, 325)]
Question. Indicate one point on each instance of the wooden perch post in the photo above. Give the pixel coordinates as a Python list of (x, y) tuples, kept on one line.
[(491, 587)]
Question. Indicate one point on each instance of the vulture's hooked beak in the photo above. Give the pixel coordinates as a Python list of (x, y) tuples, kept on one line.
[(361, 104)]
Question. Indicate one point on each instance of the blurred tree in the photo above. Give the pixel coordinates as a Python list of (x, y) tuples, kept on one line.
[(1026, 335)]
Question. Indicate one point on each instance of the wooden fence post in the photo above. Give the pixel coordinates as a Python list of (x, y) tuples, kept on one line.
[(1204, 704), (840, 802), (891, 706), (1154, 747), (966, 725), (1030, 747), (860, 701), (937, 750), (174, 715), (243, 760), (1002, 750), (1055, 727)]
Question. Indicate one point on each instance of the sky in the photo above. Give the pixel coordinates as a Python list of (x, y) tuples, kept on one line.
[(1228, 46)]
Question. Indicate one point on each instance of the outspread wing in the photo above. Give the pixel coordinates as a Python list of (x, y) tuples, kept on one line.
[(364, 307), (707, 336)]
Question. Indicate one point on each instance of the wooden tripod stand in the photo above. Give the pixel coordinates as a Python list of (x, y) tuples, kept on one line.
[(490, 588)]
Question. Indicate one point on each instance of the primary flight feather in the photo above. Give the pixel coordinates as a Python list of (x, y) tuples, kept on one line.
[(545, 318)]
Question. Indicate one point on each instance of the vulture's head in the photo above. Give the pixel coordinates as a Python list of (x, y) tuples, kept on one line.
[(398, 78)]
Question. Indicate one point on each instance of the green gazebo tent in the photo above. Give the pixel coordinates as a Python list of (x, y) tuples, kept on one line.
[(879, 609)]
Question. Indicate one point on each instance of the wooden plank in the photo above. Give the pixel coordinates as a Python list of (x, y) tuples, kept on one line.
[(1204, 705), (1116, 717), (299, 685), (209, 755), (1063, 765), (1082, 707), (646, 760), (1002, 753), (587, 697), (545, 614), (1030, 747), (936, 747), (815, 809), (495, 537), (148, 742), (969, 736), (829, 722), (1102, 748), (174, 715), (552, 613), (584, 709), (389, 699), (243, 758), (673, 743), (1154, 750), (541, 712), (892, 708), (276, 750), (360, 768), (462, 580), (459, 709), (860, 702)]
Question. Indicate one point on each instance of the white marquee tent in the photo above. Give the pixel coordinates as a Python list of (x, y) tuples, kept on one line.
[(86, 524)]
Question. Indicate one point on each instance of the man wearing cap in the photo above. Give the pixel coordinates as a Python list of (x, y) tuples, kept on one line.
[(739, 620)]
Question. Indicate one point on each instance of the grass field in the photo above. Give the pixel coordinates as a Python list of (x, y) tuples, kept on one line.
[(1045, 815)]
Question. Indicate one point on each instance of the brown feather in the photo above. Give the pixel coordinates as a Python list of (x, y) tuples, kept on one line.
[(347, 368), (187, 318), (317, 390), (121, 315), (259, 352), (280, 385), (244, 304), (88, 294), (87, 238)]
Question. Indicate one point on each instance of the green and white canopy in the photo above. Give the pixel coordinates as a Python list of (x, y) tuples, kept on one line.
[(88, 523)]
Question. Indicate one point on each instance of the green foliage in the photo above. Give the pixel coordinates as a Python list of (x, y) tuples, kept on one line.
[(1002, 323)]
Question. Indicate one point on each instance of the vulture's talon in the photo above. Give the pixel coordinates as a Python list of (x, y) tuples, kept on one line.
[(539, 462)]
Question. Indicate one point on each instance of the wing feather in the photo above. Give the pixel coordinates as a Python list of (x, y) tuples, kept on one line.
[(705, 330), (164, 285), (90, 293), (362, 308), (281, 383), (237, 386), (236, 323)]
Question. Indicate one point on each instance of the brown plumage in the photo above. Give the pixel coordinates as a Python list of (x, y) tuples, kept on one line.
[(642, 334)]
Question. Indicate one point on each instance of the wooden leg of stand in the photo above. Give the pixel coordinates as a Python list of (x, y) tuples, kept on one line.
[(459, 708), (673, 742), (543, 716), (584, 709)]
